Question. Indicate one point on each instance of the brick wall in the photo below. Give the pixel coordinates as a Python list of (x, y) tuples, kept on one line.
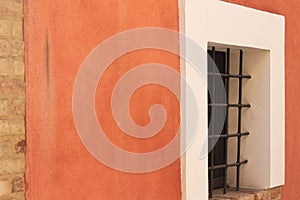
[(12, 104), (270, 194)]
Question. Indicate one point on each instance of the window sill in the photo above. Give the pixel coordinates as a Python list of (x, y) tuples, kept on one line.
[(270, 194)]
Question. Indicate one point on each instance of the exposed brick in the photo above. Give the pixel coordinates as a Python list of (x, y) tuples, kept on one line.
[(20, 146), (11, 146), (11, 87), (18, 197), (4, 67), (17, 48), (8, 198), (12, 105), (11, 9), (18, 68), (17, 30), (12, 166), (271, 194), (11, 48), (17, 184), (4, 147), (4, 47), (264, 195), (18, 107), (4, 107), (11, 127), (275, 193), (5, 27), (4, 188)]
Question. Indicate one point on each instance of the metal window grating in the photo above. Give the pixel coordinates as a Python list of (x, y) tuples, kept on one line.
[(217, 162)]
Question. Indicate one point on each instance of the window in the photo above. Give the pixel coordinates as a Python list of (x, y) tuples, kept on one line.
[(226, 25), (219, 106)]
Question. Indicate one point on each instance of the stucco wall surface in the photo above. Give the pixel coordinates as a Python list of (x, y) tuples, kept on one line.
[(58, 37)]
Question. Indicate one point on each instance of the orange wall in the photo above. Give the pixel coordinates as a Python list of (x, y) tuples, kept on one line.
[(290, 9), (58, 36)]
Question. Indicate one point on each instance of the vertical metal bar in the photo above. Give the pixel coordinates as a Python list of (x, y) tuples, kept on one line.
[(239, 123), (213, 123), (227, 71)]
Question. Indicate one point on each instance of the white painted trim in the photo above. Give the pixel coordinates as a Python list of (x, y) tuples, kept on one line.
[(225, 23), (181, 10)]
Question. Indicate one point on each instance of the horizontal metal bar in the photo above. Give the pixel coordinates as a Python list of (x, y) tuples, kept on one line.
[(230, 105), (228, 135), (226, 166), (229, 75)]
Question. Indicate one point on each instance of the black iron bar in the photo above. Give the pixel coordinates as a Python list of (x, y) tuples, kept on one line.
[(230, 105), (211, 175), (228, 165), (225, 135), (229, 135), (239, 123), (227, 75), (227, 71)]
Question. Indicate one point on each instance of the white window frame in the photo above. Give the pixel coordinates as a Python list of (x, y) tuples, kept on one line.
[(207, 21)]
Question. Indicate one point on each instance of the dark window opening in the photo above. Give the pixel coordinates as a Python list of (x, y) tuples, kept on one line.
[(218, 106)]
